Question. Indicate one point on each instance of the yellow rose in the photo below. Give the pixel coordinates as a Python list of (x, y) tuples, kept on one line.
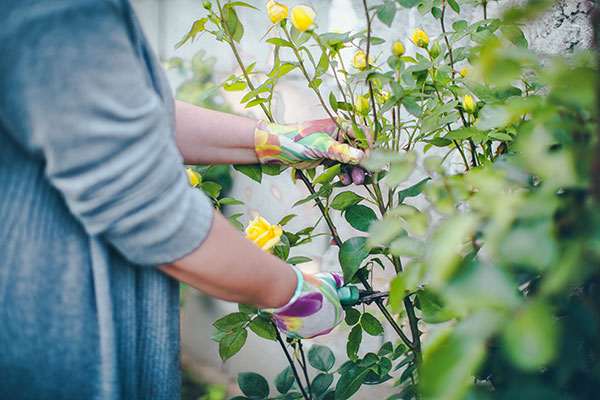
[(276, 11), (303, 17), (362, 105), (360, 60), (469, 105), (192, 177), (263, 234), (420, 38), (398, 48)]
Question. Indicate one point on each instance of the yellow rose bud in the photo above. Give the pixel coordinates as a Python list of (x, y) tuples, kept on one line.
[(466, 71), (420, 38), (276, 11), (435, 49), (469, 105), (360, 60), (303, 17), (262, 233), (362, 105), (398, 48), (192, 177)]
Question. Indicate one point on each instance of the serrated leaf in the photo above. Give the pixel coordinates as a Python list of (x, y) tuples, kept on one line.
[(253, 385), (371, 325), (360, 217), (231, 321), (284, 380), (351, 255), (350, 382), (232, 343), (321, 358), (263, 327), (353, 344)]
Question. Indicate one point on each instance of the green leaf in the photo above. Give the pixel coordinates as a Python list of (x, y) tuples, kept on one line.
[(263, 327), (432, 308), (413, 190), (280, 42), (234, 26), (385, 349), (352, 316), (285, 380), (386, 12), (360, 217), (351, 255), (211, 189), (232, 343), (231, 321), (350, 382), (515, 35), (328, 175), (230, 200), (436, 12), (460, 26), (454, 5), (321, 358), (242, 4), (253, 385), (197, 27), (272, 169), (493, 116), (321, 383), (531, 337), (412, 107), (298, 260), (286, 219), (252, 171), (371, 325), (235, 86), (345, 200), (333, 102), (353, 344), (460, 134), (409, 3), (245, 308)]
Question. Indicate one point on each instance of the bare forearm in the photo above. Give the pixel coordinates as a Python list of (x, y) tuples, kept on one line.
[(230, 267), (211, 137)]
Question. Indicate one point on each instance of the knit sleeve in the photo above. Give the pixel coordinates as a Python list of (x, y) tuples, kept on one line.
[(77, 92)]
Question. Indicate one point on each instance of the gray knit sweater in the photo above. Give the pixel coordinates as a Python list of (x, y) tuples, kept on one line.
[(92, 195)]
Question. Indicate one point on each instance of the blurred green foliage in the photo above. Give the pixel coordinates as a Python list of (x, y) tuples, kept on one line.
[(496, 274)]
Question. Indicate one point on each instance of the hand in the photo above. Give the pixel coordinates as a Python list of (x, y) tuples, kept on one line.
[(306, 144), (315, 307)]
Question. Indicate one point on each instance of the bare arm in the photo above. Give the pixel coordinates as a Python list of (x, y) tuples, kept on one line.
[(211, 137), (230, 267)]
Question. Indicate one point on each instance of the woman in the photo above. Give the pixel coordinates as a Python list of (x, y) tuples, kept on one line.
[(96, 217)]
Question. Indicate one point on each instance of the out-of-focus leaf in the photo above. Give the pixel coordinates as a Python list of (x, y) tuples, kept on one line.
[(531, 336)]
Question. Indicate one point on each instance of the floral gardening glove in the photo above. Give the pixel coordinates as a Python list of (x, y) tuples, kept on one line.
[(315, 307), (304, 145)]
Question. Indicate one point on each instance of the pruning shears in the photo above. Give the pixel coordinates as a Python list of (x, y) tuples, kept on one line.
[(352, 295)]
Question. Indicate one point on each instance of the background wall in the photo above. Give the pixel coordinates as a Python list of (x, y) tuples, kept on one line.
[(563, 29)]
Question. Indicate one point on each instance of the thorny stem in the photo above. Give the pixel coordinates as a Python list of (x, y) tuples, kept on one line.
[(304, 368), (290, 361)]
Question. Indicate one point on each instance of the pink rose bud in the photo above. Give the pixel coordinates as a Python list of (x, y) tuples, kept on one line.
[(345, 177), (358, 175)]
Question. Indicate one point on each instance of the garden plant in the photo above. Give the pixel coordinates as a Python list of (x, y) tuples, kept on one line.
[(496, 286)]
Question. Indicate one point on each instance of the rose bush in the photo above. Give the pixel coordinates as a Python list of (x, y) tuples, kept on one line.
[(495, 290)]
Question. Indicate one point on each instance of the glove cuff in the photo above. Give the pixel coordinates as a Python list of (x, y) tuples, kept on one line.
[(297, 292)]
